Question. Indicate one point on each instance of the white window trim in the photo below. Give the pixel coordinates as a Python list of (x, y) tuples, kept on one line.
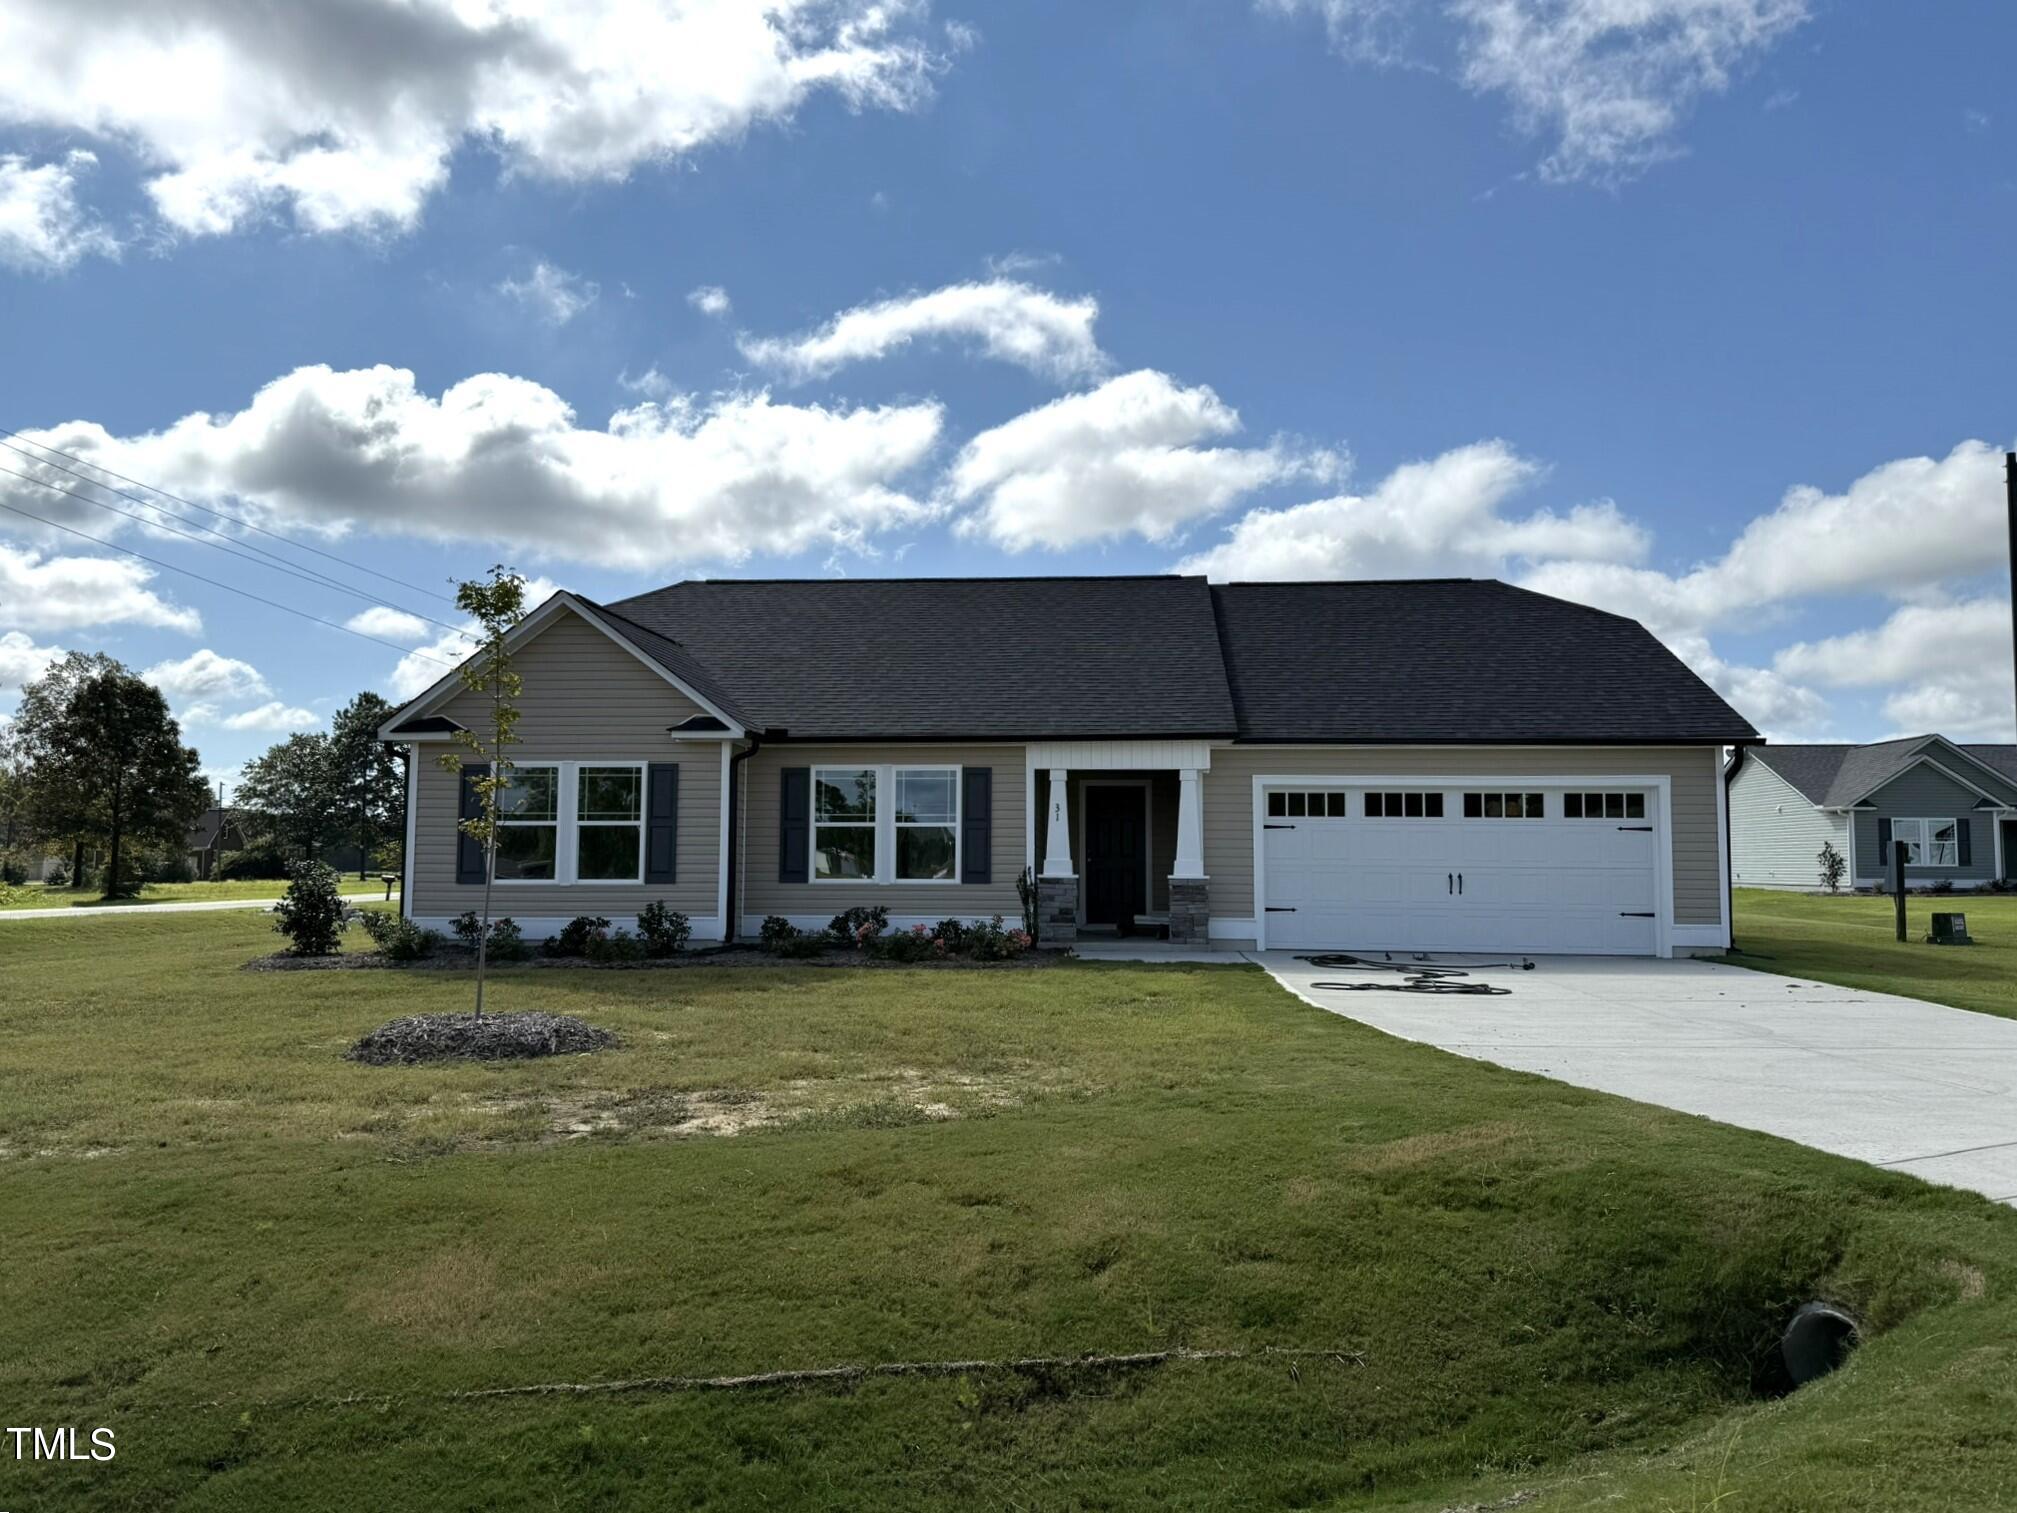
[(886, 826), (567, 839), (1924, 842)]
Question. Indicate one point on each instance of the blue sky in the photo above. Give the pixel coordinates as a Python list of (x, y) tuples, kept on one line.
[(1694, 309)]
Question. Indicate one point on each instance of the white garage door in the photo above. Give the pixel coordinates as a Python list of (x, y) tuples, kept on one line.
[(1504, 868)]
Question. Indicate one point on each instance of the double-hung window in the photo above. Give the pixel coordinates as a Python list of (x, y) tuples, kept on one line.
[(528, 825), (844, 824), (571, 822), (609, 824), (885, 824), (1928, 843)]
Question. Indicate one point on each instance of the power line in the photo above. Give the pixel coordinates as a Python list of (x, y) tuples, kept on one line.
[(225, 515), (229, 588), (320, 580), (279, 562)]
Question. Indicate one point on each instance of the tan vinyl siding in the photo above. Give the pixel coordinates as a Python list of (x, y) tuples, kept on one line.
[(1776, 833), (586, 699), (763, 894), (1695, 772)]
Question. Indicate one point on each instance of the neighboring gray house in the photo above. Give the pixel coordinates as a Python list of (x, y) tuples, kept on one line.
[(1953, 808), (1434, 765)]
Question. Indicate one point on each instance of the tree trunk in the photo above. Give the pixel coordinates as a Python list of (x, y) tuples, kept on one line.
[(111, 889), (77, 862)]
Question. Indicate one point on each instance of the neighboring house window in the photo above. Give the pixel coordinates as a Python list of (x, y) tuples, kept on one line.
[(609, 824), (1928, 843), (1604, 806), (843, 824), (1404, 806), (1504, 806), (528, 825), (927, 824)]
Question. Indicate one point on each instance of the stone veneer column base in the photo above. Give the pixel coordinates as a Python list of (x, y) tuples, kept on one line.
[(1190, 910), (1057, 911)]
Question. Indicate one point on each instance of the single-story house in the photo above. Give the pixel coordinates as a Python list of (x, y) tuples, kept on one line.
[(1952, 808), (1453, 765)]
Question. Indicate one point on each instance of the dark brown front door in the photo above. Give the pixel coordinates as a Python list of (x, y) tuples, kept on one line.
[(1116, 863)]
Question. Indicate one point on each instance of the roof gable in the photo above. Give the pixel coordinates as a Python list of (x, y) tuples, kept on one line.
[(1842, 776)]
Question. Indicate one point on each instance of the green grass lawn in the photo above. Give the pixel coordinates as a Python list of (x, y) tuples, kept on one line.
[(1851, 939), (265, 1268), (35, 896)]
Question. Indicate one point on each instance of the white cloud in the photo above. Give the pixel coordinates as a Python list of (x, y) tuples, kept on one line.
[(42, 227), (273, 717), (348, 115), (1118, 460), (553, 294), (709, 299), (1607, 82), (1426, 518), (1009, 321), (1949, 666), (1782, 709), (22, 661), (424, 666), (39, 592), (672, 482), (388, 624), (1902, 528), (205, 675)]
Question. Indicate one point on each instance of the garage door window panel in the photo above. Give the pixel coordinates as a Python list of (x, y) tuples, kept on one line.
[(1505, 806)]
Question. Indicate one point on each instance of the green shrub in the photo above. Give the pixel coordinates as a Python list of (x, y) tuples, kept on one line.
[(782, 938), (990, 942), (775, 931), (915, 944), (578, 936), (310, 913), (665, 930), (255, 864), (507, 941), (397, 937), (13, 874), (59, 876), (615, 947), (853, 927)]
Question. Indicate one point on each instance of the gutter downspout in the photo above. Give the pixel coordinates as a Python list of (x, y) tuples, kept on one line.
[(1730, 848), (730, 926)]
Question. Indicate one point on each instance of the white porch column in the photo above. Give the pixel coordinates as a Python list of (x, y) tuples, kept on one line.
[(1190, 826), (1058, 830)]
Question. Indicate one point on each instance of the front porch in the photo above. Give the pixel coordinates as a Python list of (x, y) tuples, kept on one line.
[(1118, 851)]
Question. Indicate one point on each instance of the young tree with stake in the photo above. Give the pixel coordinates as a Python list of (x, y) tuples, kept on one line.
[(496, 604)]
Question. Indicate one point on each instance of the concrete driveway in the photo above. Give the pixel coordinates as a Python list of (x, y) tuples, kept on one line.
[(1904, 1084)]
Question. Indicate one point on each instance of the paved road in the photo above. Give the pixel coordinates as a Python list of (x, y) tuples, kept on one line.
[(99, 911), (1916, 1087)]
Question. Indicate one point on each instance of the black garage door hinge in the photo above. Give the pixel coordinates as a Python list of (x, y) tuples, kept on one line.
[(1280, 909)]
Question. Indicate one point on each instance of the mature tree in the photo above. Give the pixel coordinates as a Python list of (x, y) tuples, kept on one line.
[(370, 777), (109, 763), (52, 812), (17, 811), (497, 603), (295, 791)]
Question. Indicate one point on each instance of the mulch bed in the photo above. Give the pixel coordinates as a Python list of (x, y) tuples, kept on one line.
[(463, 1037), (453, 959)]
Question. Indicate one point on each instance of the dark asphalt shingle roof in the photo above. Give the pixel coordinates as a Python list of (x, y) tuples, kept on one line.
[(1457, 660), (1839, 775), (923, 658)]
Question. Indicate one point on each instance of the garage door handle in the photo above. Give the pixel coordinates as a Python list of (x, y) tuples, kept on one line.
[(1450, 881), (1647, 828), (1281, 909), (1460, 885), (1278, 827), (1634, 914)]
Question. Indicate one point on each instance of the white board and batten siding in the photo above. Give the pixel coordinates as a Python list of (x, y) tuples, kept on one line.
[(1531, 886), (1776, 833), (585, 700)]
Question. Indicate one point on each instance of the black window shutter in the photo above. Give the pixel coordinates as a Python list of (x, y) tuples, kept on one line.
[(661, 823), (976, 820), (1883, 842), (468, 849), (794, 824), (1965, 846)]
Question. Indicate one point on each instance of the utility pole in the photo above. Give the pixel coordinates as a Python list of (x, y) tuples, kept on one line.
[(2010, 497)]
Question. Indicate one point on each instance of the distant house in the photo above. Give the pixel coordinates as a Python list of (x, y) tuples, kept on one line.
[(216, 832), (1952, 808)]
